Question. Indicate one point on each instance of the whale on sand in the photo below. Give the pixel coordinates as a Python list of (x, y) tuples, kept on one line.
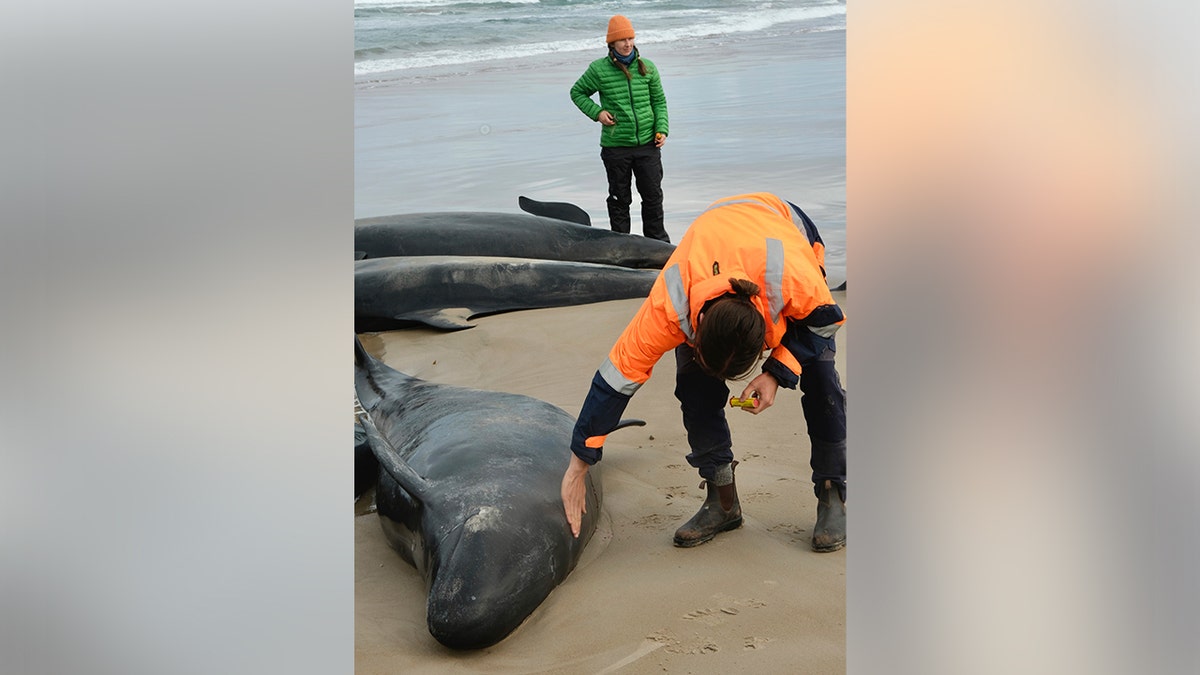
[(468, 493), (516, 235), (445, 291)]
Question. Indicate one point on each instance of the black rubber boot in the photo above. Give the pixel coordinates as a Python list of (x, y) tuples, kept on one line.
[(830, 531), (719, 513)]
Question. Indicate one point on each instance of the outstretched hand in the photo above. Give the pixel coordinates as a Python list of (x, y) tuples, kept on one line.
[(762, 388), (574, 493)]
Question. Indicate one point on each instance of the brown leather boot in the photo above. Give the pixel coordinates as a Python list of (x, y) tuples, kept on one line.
[(830, 531), (719, 513)]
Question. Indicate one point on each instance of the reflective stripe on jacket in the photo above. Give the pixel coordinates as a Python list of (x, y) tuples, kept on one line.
[(758, 237)]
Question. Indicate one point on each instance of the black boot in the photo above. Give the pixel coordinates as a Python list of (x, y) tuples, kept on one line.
[(720, 512), (830, 531)]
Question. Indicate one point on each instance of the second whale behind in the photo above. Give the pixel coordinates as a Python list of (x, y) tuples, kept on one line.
[(515, 235), (445, 291)]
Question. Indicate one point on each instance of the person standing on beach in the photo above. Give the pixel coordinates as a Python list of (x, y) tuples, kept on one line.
[(747, 276), (633, 117)]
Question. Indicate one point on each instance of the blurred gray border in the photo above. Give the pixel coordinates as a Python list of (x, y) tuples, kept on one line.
[(177, 190)]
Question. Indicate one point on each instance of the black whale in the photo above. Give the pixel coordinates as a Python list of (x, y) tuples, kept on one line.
[(469, 495)]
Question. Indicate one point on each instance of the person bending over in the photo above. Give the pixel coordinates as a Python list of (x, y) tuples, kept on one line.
[(748, 276)]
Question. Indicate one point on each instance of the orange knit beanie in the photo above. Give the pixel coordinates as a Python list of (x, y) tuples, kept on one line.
[(619, 28)]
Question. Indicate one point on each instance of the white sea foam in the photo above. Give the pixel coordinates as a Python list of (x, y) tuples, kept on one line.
[(455, 57), (401, 4), (706, 24)]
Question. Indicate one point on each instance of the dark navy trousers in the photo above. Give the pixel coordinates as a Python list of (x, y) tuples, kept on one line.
[(703, 400)]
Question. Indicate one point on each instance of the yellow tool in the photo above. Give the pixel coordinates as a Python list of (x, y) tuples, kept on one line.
[(743, 402)]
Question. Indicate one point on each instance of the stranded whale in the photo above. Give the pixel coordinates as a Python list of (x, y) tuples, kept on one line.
[(469, 495), (445, 291), (516, 235)]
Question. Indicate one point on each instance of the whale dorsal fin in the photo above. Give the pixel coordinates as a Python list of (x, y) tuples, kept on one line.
[(557, 210)]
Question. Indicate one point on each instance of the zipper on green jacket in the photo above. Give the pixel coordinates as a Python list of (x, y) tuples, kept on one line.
[(636, 132)]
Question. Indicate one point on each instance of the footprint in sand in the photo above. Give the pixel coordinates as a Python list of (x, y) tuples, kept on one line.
[(754, 643), (654, 520), (673, 645), (753, 603), (794, 533), (757, 496), (698, 614), (714, 617), (676, 491)]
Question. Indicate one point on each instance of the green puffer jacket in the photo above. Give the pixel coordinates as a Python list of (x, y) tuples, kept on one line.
[(638, 104)]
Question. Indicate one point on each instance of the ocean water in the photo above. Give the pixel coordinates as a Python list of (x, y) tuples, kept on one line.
[(394, 35), (464, 106)]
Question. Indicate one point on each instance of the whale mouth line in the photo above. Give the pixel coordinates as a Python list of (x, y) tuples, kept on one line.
[(485, 518)]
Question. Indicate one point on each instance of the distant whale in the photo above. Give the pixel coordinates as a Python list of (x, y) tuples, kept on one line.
[(515, 235), (469, 495), (445, 291)]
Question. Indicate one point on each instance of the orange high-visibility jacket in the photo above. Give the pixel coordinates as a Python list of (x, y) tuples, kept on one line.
[(758, 237)]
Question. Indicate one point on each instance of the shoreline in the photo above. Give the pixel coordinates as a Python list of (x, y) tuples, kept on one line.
[(746, 115), (574, 59)]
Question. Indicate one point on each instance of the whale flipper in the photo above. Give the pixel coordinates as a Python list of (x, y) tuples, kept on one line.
[(366, 467), (451, 318), (391, 461)]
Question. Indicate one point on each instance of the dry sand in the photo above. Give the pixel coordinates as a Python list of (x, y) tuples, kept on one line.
[(754, 600)]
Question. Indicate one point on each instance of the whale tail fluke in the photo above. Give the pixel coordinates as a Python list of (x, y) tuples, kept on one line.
[(557, 210)]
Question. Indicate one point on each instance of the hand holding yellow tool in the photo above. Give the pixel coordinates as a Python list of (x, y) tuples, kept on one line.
[(736, 402)]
